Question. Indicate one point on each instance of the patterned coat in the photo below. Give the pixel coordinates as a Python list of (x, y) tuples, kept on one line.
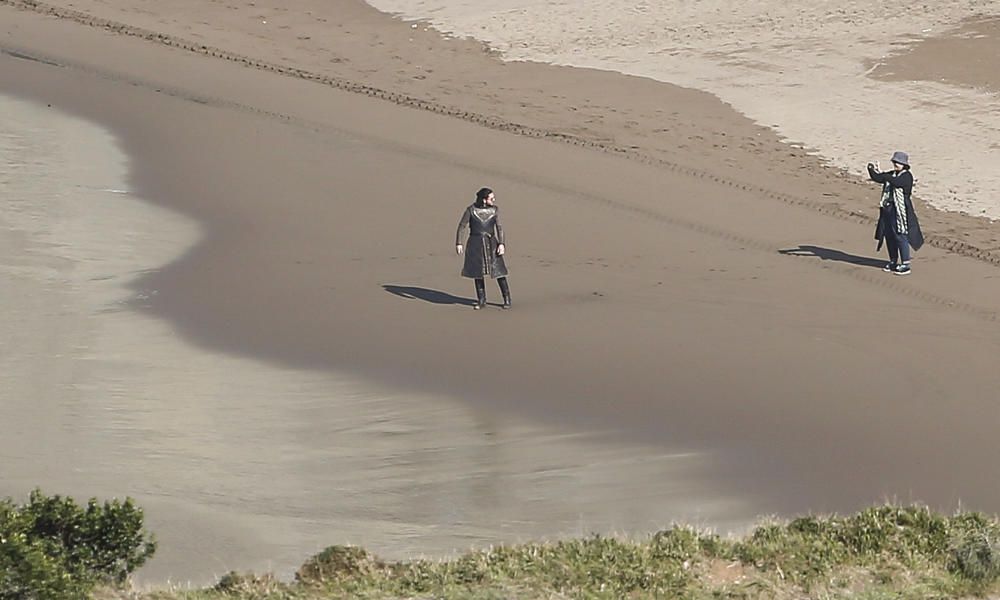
[(895, 207), (485, 234)]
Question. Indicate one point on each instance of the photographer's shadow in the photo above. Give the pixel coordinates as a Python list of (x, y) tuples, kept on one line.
[(834, 255), (427, 295)]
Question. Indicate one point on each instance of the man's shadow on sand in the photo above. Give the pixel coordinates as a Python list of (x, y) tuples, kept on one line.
[(834, 255), (427, 295)]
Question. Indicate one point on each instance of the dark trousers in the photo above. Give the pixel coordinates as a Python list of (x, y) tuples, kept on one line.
[(898, 245)]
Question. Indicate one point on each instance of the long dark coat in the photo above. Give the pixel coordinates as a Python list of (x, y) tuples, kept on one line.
[(887, 217), (485, 234)]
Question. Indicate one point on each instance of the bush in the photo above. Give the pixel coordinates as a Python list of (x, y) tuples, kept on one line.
[(53, 548), (338, 562), (238, 584), (975, 550)]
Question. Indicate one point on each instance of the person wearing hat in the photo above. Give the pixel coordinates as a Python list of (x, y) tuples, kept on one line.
[(484, 249), (897, 221)]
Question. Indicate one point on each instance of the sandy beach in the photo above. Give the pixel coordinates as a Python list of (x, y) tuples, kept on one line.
[(701, 330), (241, 464), (837, 78)]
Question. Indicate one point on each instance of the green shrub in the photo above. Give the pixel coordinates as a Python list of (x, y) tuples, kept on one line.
[(246, 585), (905, 532), (337, 562), (975, 553), (678, 544), (53, 548), (27, 571)]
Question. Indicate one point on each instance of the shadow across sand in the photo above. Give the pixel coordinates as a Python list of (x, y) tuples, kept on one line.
[(427, 295), (834, 255)]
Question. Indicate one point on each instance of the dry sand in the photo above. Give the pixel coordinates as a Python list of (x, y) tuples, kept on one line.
[(692, 300), (802, 67)]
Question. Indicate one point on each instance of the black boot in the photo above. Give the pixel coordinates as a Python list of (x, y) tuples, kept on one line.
[(480, 294), (505, 290)]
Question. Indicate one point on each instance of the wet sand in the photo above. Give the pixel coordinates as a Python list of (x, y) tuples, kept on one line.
[(962, 56), (677, 309), (244, 465)]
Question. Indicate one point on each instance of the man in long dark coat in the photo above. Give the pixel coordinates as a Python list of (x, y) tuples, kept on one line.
[(484, 248)]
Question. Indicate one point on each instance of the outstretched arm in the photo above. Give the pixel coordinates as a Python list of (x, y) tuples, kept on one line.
[(876, 176)]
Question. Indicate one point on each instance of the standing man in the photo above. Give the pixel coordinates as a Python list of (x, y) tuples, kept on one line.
[(485, 246)]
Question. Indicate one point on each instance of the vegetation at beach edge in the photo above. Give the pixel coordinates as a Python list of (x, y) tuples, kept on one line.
[(52, 548), (881, 552)]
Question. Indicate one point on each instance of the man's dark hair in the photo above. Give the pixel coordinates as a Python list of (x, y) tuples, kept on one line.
[(482, 195)]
